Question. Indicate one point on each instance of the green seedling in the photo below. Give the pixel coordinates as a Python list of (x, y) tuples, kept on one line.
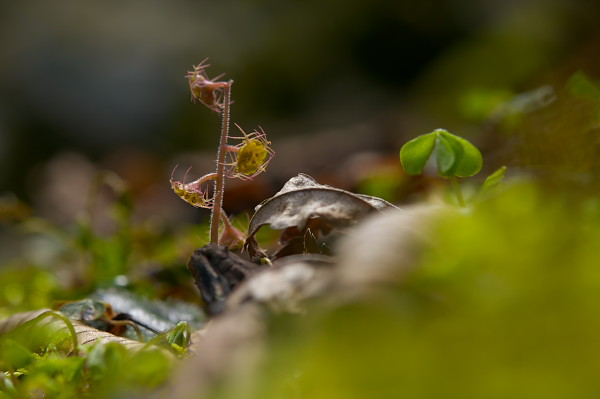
[(493, 180), (179, 337), (28, 341), (455, 157), (245, 160)]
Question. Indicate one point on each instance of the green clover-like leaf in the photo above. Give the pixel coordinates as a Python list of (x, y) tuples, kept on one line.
[(449, 152), (455, 156), (415, 153), (468, 158)]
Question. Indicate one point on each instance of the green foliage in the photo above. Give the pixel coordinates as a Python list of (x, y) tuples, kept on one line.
[(26, 287), (58, 263), (38, 361), (14, 355), (493, 180), (33, 355), (111, 368), (108, 256), (415, 154), (37, 337), (179, 337), (37, 364), (455, 156)]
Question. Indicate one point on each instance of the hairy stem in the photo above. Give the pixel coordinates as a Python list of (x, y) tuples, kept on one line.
[(220, 179), (232, 148), (457, 191), (203, 179)]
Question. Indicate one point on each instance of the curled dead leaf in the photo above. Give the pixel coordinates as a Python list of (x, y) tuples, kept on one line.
[(303, 202)]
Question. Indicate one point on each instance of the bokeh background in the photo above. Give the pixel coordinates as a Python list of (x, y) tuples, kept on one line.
[(89, 87), (102, 82)]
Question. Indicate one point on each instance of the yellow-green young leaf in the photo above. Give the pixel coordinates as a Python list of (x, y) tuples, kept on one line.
[(455, 156), (468, 160), (415, 154), (493, 180), (180, 334)]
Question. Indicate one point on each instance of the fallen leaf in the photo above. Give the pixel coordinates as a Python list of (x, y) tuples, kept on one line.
[(85, 334), (302, 201)]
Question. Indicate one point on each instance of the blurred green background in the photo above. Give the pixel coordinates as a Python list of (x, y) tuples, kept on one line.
[(95, 112), (102, 82)]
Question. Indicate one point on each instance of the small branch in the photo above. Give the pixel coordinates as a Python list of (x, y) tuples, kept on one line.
[(203, 179), (232, 148), (220, 180), (457, 191)]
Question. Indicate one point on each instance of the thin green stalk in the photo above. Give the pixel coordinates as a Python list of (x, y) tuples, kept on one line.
[(58, 315), (457, 191), (215, 215)]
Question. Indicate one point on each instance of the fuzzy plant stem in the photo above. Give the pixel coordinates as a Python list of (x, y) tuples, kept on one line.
[(457, 191), (215, 215)]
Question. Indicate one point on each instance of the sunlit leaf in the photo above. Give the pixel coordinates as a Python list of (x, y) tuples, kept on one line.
[(415, 154), (455, 156), (493, 180), (468, 158), (179, 337), (448, 154)]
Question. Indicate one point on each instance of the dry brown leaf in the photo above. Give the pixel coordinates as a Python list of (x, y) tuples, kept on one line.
[(303, 200)]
